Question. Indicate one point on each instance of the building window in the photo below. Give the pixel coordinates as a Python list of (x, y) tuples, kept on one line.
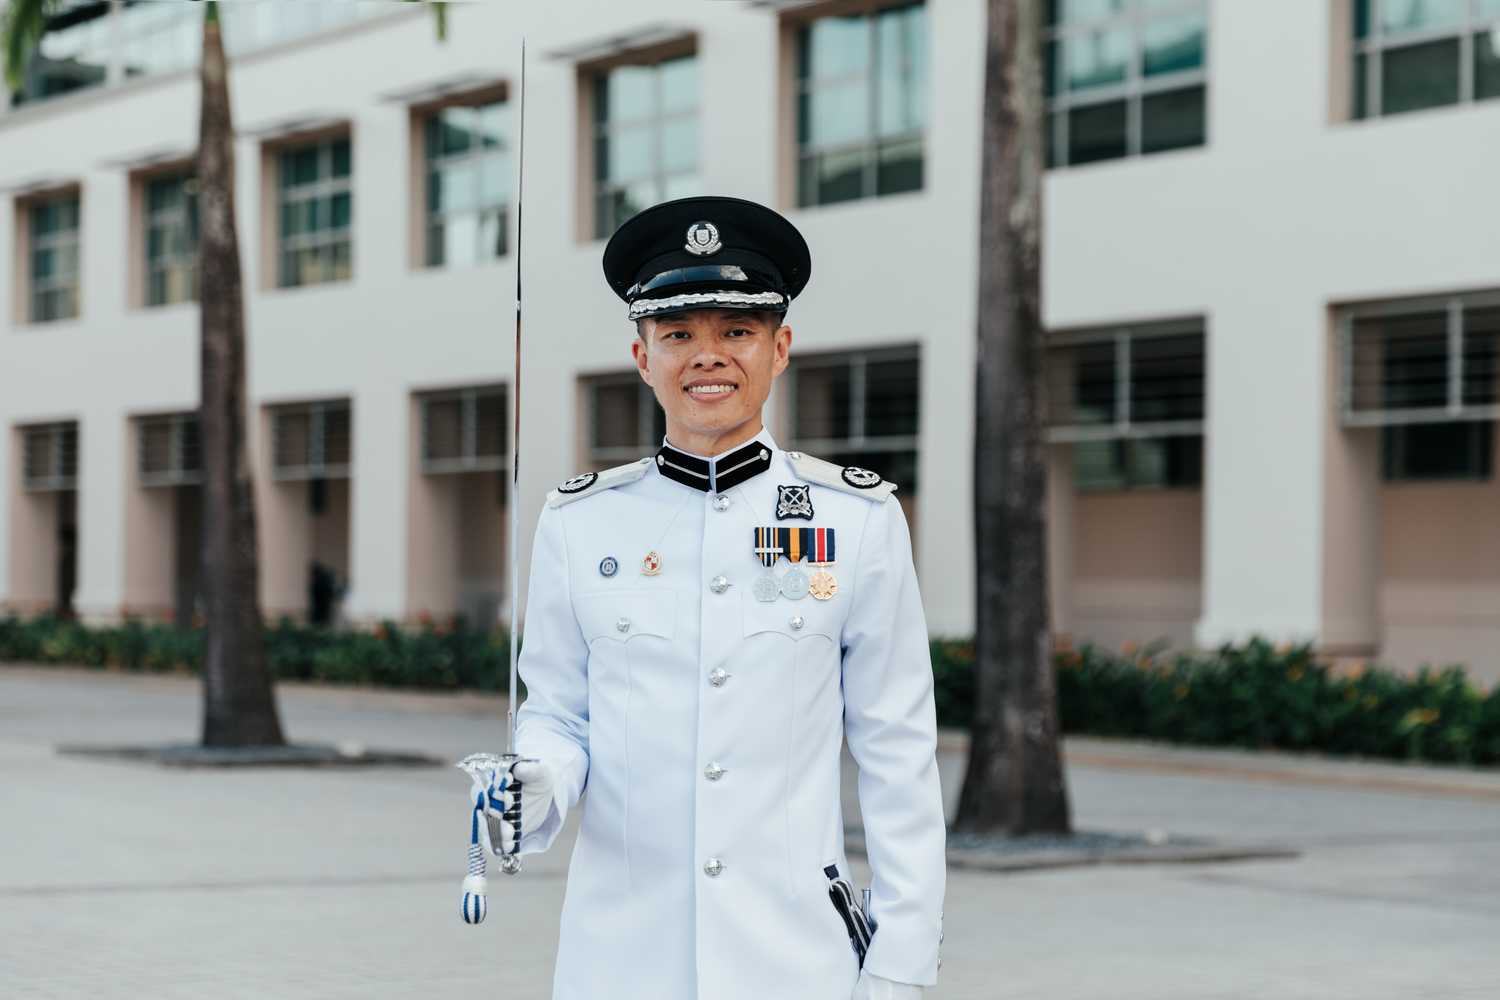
[(171, 240), (316, 213), (464, 431), (624, 419), (54, 258), (1425, 372), (1130, 402), (861, 104), (645, 138), (169, 450), (311, 441), (50, 457), (1415, 54), (469, 169), (1125, 78), (860, 409)]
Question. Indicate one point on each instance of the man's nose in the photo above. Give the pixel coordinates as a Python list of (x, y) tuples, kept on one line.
[(709, 358)]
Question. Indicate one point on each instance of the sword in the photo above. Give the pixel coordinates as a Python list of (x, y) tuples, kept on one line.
[(484, 768)]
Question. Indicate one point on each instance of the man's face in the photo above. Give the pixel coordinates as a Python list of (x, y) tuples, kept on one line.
[(712, 371)]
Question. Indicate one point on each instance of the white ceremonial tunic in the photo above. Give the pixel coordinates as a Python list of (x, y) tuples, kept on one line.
[(706, 726)]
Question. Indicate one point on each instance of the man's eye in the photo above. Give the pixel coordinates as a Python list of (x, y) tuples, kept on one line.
[(739, 331), (678, 335)]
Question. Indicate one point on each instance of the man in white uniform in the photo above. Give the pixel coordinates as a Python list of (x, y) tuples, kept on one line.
[(705, 627)]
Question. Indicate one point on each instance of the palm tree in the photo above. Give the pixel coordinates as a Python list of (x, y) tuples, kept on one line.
[(239, 705), (1014, 782)]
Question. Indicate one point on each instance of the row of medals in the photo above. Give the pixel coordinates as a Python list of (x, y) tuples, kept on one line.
[(794, 584)]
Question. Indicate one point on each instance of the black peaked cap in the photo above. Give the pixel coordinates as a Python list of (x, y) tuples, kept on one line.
[(706, 253)]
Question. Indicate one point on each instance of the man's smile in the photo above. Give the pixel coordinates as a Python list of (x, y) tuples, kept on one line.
[(710, 388)]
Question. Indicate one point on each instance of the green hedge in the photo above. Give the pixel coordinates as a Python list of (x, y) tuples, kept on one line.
[(429, 657), (1255, 696)]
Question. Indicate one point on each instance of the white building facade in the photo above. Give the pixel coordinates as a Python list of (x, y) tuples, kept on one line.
[(1268, 277)]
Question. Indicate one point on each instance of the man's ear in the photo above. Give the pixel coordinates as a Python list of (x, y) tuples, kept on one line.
[(782, 346), (642, 358)]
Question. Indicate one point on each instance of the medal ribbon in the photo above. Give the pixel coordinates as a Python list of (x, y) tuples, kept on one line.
[(816, 545), (767, 546)]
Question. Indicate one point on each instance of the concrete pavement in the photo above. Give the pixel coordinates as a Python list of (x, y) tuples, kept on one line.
[(125, 881)]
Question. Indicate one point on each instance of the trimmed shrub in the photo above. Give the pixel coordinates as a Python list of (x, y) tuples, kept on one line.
[(1257, 696)]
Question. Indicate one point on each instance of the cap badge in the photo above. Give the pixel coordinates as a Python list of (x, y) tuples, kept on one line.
[(703, 239)]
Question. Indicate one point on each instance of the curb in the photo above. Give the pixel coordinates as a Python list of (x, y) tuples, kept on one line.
[(1048, 859)]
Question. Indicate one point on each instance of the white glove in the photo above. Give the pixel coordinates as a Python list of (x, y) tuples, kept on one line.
[(872, 987), (536, 800)]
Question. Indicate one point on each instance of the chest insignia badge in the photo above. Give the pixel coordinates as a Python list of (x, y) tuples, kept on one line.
[(794, 502), (651, 565), (608, 566)]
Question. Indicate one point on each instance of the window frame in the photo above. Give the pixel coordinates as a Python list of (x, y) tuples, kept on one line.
[(605, 456), (1123, 428), (64, 443), (326, 186), (590, 75), (1455, 409), (1133, 90), (858, 361), (424, 116), (178, 471), (55, 240), (316, 466), (469, 460), (1368, 95), (183, 215), (869, 147)]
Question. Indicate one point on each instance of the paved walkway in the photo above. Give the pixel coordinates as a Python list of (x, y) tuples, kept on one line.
[(125, 881)]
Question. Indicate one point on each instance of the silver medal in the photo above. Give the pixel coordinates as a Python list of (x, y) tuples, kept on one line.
[(794, 584), (765, 589)]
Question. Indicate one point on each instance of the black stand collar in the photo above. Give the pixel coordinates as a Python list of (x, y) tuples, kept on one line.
[(714, 475)]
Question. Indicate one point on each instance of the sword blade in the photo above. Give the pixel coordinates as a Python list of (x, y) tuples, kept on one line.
[(515, 437)]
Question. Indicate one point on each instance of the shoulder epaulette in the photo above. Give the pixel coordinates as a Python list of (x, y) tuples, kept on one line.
[(848, 478), (590, 483)]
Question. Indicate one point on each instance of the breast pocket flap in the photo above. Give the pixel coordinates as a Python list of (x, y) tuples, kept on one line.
[(623, 614)]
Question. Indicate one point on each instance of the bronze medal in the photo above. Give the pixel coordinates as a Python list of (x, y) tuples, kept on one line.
[(823, 585)]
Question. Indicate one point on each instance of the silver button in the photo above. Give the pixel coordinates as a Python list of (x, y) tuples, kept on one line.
[(713, 867), (713, 772), (623, 625), (796, 456), (796, 623), (719, 584), (721, 503), (718, 677)]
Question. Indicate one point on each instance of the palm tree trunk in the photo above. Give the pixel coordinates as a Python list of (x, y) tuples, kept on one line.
[(1015, 778), (239, 706)]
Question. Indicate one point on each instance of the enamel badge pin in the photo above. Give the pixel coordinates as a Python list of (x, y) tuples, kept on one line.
[(794, 502)]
